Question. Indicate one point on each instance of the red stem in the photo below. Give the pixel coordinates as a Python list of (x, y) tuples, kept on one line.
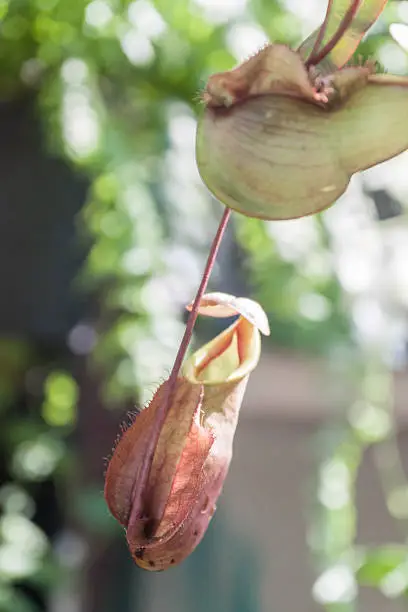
[(200, 292), (322, 30), (162, 411), (344, 24)]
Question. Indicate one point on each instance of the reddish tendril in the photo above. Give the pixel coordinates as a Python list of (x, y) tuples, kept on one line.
[(200, 292), (162, 410), (316, 58)]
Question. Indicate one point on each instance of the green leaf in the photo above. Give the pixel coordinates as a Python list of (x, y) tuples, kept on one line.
[(362, 17), (378, 563)]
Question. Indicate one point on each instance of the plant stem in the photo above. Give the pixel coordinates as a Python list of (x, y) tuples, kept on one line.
[(315, 59), (200, 292), (193, 316)]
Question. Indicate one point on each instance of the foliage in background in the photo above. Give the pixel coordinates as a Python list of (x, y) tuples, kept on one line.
[(119, 92), (117, 85)]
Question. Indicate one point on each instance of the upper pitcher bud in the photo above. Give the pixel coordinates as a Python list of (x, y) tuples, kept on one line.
[(162, 486)]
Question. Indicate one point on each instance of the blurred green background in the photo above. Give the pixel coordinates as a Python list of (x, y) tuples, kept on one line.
[(104, 230)]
